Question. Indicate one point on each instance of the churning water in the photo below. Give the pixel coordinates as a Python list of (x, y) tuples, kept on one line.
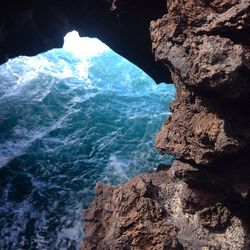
[(66, 122)]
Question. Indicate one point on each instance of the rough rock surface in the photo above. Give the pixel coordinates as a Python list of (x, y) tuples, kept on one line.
[(206, 46), (179, 208)]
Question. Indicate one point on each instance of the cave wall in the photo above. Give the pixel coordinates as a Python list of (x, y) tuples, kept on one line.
[(34, 26)]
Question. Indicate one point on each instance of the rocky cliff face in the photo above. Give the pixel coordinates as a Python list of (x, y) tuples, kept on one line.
[(177, 208), (202, 200), (207, 50)]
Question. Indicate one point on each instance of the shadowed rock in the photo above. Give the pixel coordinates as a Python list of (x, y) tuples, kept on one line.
[(34, 26)]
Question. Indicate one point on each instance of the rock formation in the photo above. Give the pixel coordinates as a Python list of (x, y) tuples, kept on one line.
[(182, 207), (203, 200), (206, 48), (34, 26)]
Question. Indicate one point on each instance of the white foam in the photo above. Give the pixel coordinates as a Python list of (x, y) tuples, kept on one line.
[(11, 149), (116, 169), (72, 234)]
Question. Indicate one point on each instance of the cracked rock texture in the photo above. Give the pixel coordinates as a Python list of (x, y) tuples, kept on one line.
[(182, 207), (205, 44)]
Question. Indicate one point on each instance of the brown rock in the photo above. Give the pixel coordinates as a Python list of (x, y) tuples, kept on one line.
[(180, 208), (130, 216), (204, 45)]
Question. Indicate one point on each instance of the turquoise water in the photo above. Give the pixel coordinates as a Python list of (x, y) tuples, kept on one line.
[(67, 122)]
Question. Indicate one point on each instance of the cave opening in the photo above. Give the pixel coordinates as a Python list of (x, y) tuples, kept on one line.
[(69, 118)]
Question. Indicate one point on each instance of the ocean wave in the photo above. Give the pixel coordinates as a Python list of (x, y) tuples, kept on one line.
[(67, 122)]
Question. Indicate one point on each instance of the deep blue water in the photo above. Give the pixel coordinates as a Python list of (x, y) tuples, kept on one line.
[(65, 123)]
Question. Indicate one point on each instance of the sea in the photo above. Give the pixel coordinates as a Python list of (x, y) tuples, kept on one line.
[(70, 118)]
